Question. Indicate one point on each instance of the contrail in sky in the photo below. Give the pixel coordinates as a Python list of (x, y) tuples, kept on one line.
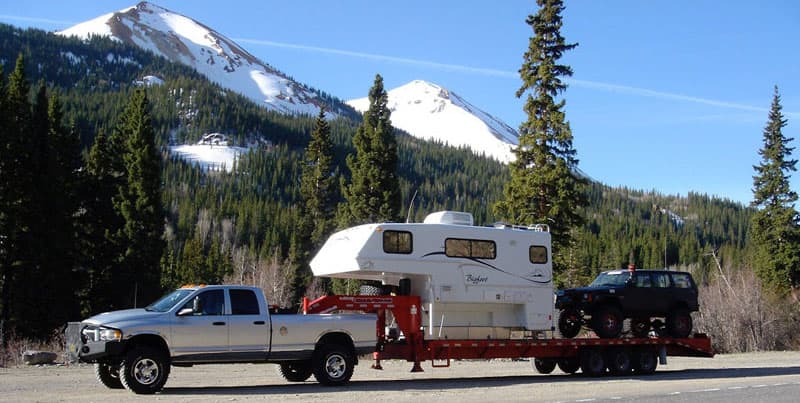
[(39, 20), (644, 92)]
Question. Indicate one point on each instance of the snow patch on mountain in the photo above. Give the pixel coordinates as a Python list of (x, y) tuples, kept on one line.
[(431, 112), (210, 157), (184, 40)]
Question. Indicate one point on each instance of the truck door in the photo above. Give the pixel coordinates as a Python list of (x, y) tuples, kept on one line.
[(249, 327), (205, 331)]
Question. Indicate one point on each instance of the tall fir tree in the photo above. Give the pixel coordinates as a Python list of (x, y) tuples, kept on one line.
[(373, 194), (544, 185), (319, 197), (139, 204), (775, 231)]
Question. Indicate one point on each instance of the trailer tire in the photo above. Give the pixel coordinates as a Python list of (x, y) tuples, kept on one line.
[(569, 365), (619, 361), (592, 362), (607, 321), (333, 365), (296, 371), (679, 323), (569, 323), (367, 289), (108, 375), (544, 365), (144, 371), (645, 361)]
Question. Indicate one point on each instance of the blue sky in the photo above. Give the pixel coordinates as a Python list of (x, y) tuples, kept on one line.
[(670, 95)]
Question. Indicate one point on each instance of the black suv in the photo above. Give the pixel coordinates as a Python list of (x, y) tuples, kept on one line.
[(636, 294)]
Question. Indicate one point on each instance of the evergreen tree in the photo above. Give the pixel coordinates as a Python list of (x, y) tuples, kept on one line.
[(318, 193), (373, 194), (139, 204), (775, 223), (544, 186)]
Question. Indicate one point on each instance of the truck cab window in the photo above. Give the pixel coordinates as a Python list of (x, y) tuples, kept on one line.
[(244, 302), (211, 302)]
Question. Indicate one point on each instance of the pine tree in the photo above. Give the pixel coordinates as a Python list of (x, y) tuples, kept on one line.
[(139, 204), (775, 224), (373, 194), (544, 185), (319, 196)]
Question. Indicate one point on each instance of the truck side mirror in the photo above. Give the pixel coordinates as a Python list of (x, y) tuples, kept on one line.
[(185, 312), (197, 305)]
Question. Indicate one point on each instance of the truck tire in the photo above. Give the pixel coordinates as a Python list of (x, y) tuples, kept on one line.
[(569, 365), (144, 371), (679, 323), (607, 322), (592, 362), (333, 365), (569, 323), (544, 365), (645, 361), (618, 361), (296, 371), (108, 375), (367, 289)]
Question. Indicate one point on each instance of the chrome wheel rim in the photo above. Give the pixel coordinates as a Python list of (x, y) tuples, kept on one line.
[(335, 366), (145, 371)]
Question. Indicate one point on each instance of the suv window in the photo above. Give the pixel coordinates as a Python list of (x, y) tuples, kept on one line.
[(643, 280), (660, 280), (244, 302), (682, 280)]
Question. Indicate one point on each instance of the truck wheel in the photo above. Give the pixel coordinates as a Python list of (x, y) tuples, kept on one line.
[(108, 375), (144, 371), (679, 323), (544, 365), (607, 322), (619, 361), (569, 323), (569, 365), (644, 361), (296, 371), (592, 362), (333, 365), (640, 327)]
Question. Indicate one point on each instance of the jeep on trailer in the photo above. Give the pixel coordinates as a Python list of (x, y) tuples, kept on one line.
[(640, 295)]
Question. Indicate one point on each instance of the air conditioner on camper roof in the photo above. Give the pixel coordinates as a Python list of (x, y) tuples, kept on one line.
[(449, 217)]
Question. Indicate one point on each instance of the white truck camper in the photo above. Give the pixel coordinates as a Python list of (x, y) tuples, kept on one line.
[(474, 282)]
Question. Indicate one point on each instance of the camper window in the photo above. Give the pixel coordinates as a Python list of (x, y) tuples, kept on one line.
[(397, 242), (470, 248), (538, 254)]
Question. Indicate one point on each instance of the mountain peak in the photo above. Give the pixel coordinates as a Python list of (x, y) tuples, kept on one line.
[(432, 112)]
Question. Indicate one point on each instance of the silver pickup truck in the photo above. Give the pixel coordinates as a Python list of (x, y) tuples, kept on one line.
[(135, 348)]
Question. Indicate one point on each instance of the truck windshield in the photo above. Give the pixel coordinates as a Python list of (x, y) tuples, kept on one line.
[(168, 301), (611, 278)]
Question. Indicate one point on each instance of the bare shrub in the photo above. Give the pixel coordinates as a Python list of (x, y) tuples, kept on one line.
[(740, 317), (271, 274), (11, 353)]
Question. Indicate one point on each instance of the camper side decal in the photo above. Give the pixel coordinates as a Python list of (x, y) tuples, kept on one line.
[(475, 279)]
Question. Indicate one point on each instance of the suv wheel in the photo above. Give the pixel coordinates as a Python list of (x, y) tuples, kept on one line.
[(679, 323), (569, 323), (607, 321)]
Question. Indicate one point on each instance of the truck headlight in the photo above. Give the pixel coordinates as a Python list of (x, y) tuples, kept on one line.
[(108, 334)]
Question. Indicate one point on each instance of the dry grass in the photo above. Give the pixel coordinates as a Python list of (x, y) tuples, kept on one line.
[(11, 352)]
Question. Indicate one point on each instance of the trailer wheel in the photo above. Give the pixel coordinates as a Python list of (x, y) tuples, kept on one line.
[(296, 371), (645, 361), (592, 362), (569, 365), (144, 371), (607, 321), (544, 365), (333, 365), (569, 323), (619, 361), (640, 327), (679, 323), (108, 375)]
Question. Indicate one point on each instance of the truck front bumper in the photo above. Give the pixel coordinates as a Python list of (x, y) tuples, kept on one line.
[(93, 351)]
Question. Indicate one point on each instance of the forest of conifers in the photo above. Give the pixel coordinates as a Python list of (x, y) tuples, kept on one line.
[(217, 220)]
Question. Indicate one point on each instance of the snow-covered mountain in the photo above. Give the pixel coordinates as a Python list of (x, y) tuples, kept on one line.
[(428, 111), (184, 40)]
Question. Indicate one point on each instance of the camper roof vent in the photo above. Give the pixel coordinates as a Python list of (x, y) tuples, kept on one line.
[(449, 217)]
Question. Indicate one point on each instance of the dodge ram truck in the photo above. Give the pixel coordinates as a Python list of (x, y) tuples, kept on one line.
[(135, 348)]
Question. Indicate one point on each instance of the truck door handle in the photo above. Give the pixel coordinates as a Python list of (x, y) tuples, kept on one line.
[(218, 323), (258, 322)]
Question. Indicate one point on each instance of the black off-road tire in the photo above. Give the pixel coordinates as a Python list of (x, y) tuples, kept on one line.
[(607, 322), (569, 323), (569, 365), (544, 365), (108, 375), (679, 323), (333, 365), (296, 371), (144, 371)]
